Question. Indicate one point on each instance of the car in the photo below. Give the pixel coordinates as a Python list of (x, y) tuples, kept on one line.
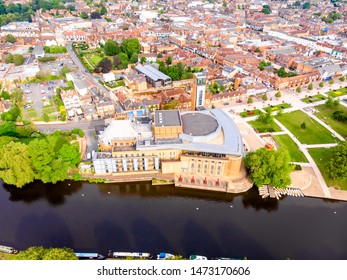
[(226, 103), (86, 71), (49, 96), (43, 91), (26, 106)]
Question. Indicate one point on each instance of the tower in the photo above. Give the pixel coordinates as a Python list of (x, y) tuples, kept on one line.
[(198, 91)]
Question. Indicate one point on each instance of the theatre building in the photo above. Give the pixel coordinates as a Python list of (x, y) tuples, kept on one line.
[(197, 149)]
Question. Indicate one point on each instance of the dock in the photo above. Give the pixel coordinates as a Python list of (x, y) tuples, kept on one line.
[(274, 192)]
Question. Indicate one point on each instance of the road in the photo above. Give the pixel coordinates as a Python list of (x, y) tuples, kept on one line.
[(96, 83)]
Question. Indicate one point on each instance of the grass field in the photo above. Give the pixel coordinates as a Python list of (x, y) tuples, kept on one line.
[(32, 113), (314, 133), (325, 114), (277, 107), (94, 59), (337, 93), (286, 143), (250, 113), (313, 98), (4, 256), (321, 156), (264, 127)]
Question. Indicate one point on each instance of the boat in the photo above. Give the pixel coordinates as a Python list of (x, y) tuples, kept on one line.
[(224, 259), (197, 257), (164, 256), (8, 250), (91, 256), (129, 254)]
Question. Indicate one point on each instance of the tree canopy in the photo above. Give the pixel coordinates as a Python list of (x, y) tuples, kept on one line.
[(41, 253), (15, 165), (337, 165), (269, 167)]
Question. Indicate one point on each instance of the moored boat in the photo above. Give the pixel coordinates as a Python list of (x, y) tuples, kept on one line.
[(164, 256), (8, 250), (129, 254), (197, 257), (91, 256)]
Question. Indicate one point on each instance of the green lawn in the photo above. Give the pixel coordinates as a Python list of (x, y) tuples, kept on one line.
[(286, 143), (337, 93), (314, 133), (48, 110), (264, 127), (277, 107), (94, 59), (321, 157), (325, 114), (250, 113), (313, 98)]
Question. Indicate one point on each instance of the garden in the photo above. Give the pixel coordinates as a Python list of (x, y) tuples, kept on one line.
[(277, 107), (338, 92), (264, 127), (314, 98), (250, 113)]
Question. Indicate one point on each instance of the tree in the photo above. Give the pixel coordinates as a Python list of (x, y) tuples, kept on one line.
[(337, 165), (111, 48), (8, 128), (10, 38), (117, 62), (71, 8), (269, 167), (331, 81), (321, 84), (331, 103), (103, 11), (5, 95), (250, 100), (265, 118), (45, 117), (266, 11), (8, 58), (264, 97), (105, 65), (169, 60), (84, 15), (18, 59), (303, 125), (69, 154), (159, 55), (64, 70), (342, 79), (95, 15), (130, 46), (143, 60), (298, 89), (310, 87), (40, 253), (15, 165), (134, 58), (257, 50), (278, 94), (124, 59), (306, 5)]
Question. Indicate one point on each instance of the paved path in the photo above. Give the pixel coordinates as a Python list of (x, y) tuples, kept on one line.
[(312, 146), (310, 160)]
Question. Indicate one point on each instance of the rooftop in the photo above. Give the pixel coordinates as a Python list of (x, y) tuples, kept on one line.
[(198, 124), (167, 118)]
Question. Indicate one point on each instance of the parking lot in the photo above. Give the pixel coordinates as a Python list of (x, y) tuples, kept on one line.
[(39, 98)]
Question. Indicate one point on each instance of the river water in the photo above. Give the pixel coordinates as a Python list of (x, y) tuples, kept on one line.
[(140, 217)]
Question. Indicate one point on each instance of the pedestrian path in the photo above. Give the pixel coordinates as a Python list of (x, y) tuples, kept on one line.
[(319, 175)]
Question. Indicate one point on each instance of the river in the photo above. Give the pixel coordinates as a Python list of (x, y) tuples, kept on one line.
[(141, 217)]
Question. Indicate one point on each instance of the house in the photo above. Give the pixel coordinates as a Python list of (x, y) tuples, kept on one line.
[(108, 77), (105, 107), (137, 82), (38, 51), (71, 99)]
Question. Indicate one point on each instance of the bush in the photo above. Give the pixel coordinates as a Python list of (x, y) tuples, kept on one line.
[(78, 131), (297, 167)]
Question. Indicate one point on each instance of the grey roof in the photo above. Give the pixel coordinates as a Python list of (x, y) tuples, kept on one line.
[(167, 118), (198, 124), (37, 50), (152, 73), (232, 139), (330, 69)]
